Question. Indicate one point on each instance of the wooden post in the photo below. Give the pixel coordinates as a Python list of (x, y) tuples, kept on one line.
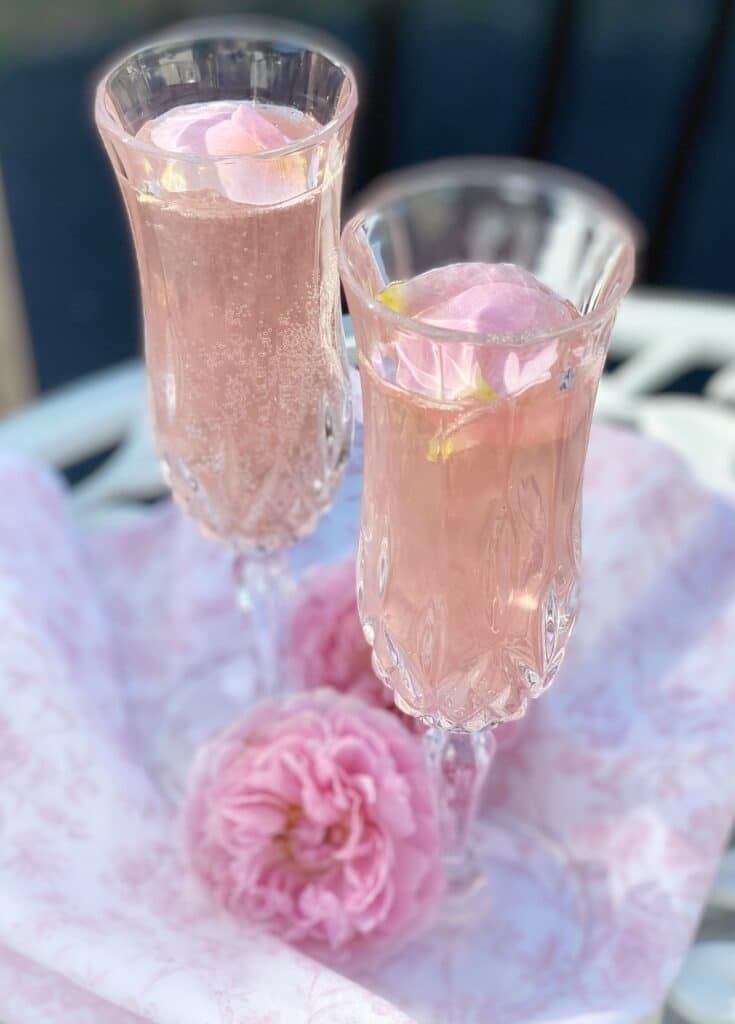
[(17, 371)]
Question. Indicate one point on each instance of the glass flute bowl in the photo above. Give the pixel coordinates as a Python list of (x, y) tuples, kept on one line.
[(248, 381), (469, 550)]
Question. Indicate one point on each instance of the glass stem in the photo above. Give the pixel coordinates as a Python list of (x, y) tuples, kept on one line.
[(264, 589), (459, 763)]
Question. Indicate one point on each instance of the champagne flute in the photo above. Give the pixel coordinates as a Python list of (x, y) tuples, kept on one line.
[(228, 141), (475, 444)]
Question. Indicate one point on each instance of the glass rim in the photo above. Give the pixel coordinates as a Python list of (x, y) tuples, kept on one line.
[(262, 28), (480, 170)]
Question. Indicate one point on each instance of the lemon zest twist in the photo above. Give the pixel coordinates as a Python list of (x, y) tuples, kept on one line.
[(440, 449), (392, 297), (172, 179), (481, 390)]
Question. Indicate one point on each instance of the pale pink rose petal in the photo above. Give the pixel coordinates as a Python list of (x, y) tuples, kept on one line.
[(229, 129), (478, 299), (517, 375), (183, 130), (252, 124), (245, 131), (426, 295)]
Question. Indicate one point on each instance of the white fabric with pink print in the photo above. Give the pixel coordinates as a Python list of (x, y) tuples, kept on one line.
[(627, 766)]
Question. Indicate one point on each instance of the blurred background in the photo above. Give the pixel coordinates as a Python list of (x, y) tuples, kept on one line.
[(639, 94)]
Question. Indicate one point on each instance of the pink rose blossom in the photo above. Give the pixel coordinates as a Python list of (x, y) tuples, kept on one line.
[(326, 647), (315, 818), (325, 643)]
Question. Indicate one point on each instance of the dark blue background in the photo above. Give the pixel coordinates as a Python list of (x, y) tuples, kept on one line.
[(639, 94)]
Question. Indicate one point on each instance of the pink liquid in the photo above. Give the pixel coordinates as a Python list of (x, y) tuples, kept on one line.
[(470, 538), (249, 389)]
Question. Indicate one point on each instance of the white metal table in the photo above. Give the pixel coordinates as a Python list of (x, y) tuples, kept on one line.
[(662, 341)]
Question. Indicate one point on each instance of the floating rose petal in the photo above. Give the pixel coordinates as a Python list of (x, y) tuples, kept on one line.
[(226, 130), (476, 298)]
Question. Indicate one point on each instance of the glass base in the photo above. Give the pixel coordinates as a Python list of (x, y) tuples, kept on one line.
[(523, 907), (204, 703), (213, 695)]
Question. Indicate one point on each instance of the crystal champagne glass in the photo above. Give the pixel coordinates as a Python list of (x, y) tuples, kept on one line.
[(475, 444), (228, 141)]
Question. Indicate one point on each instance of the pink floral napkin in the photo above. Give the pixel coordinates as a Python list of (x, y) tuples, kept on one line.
[(607, 818)]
